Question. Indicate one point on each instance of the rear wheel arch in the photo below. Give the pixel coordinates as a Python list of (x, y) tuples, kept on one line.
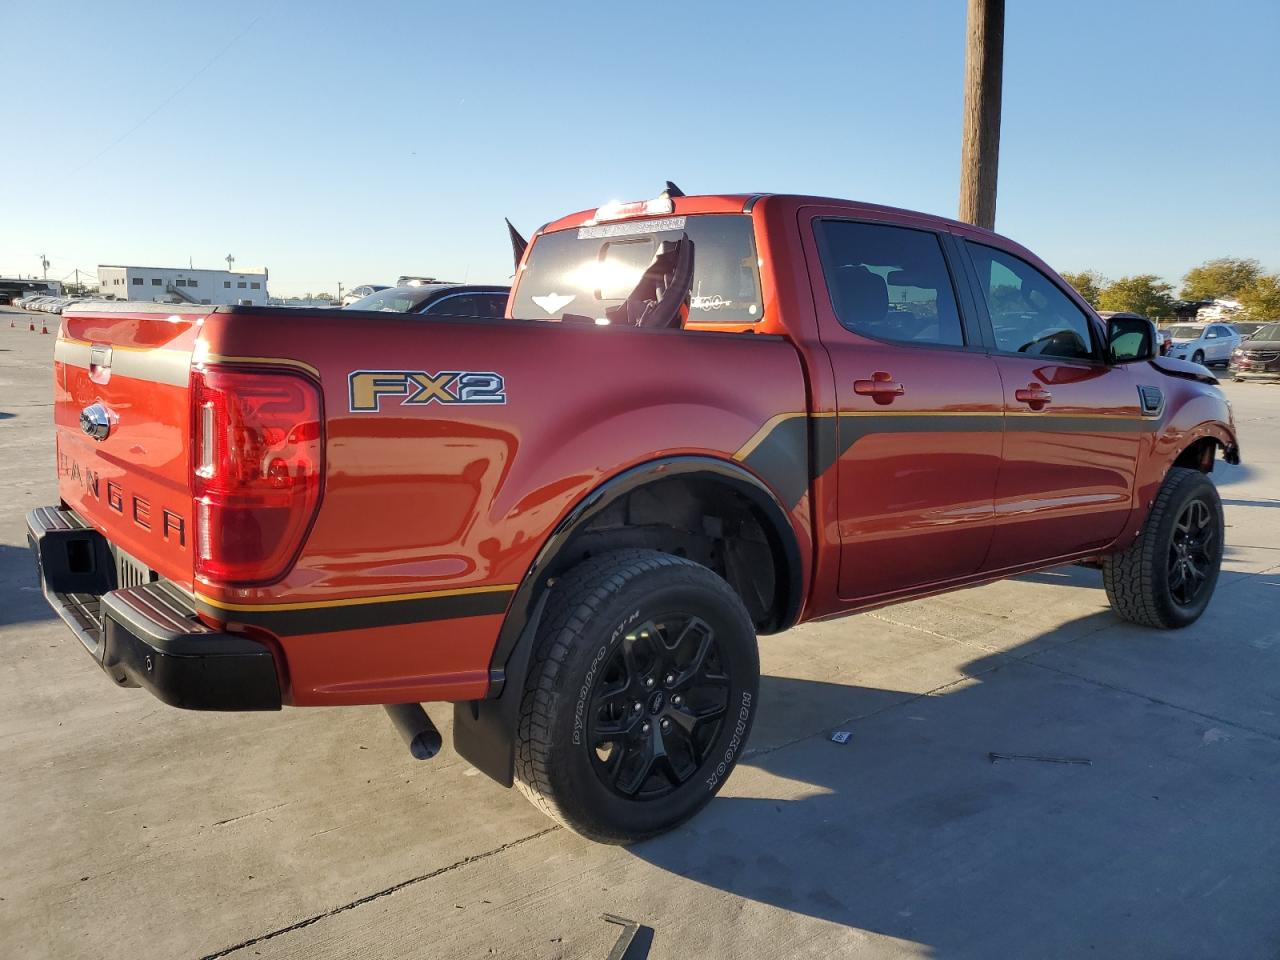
[(746, 520), (659, 495)]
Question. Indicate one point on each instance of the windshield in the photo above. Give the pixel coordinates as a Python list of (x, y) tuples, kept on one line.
[(1185, 333), (393, 299), (585, 271), (1267, 332)]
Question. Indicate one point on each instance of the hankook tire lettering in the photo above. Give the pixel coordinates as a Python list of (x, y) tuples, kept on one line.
[(740, 728)]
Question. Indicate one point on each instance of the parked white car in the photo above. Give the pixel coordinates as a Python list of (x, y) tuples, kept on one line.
[(1205, 343), (362, 291)]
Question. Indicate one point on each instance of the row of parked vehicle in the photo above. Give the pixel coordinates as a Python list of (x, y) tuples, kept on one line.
[(44, 303)]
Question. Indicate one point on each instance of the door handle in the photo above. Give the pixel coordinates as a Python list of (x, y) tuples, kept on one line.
[(1034, 396), (881, 388)]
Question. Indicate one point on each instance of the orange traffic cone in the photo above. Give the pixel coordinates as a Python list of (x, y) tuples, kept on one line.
[(33, 326), (44, 327)]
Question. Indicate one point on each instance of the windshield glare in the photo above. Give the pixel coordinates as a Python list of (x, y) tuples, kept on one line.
[(585, 271), (1185, 333), (1270, 331), (393, 299)]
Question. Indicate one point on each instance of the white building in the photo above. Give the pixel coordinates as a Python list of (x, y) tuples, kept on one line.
[(1220, 310), (172, 285)]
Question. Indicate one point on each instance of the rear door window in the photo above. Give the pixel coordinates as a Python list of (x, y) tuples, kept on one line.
[(492, 305), (486, 305), (456, 305), (889, 283)]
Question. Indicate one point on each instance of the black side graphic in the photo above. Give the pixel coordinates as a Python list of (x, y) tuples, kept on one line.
[(780, 458), (379, 613)]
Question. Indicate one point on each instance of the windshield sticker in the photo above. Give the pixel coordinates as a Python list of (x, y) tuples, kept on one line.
[(554, 302), (418, 388), (630, 228)]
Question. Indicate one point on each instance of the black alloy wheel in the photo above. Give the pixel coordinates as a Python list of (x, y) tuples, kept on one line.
[(658, 705), (640, 697), (1191, 552)]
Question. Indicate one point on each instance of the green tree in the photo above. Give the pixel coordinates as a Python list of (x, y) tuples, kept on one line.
[(1088, 283), (1223, 277), (1145, 293), (1261, 299)]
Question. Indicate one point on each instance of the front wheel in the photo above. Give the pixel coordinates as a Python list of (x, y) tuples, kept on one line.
[(1198, 357), (1166, 577), (640, 698)]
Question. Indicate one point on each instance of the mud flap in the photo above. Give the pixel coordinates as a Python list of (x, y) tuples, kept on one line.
[(484, 731)]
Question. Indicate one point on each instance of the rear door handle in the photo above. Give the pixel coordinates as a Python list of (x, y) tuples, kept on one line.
[(881, 388), (1034, 396)]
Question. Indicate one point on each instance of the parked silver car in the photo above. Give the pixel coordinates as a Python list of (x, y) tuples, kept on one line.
[(1205, 343), (362, 291)]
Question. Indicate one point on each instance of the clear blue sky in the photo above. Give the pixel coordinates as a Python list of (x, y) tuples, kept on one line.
[(355, 142)]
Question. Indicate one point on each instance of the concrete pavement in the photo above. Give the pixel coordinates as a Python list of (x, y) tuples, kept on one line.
[(134, 830)]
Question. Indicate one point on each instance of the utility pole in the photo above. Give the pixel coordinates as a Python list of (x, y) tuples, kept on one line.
[(44, 266), (339, 293), (230, 260), (983, 76)]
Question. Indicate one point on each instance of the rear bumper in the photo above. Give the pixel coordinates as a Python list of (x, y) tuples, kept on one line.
[(145, 635)]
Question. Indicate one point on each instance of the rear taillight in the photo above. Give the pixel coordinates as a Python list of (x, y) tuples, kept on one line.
[(256, 469)]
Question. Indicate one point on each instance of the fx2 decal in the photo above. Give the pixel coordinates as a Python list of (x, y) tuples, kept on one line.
[(418, 388)]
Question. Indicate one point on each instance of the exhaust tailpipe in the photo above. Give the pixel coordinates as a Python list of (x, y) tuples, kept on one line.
[(416, 729)]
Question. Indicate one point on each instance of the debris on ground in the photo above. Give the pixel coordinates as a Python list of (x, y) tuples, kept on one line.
[(634, 941), (993, 757)]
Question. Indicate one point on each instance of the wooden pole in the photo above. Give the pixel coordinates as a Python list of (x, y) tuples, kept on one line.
[(983, 72)]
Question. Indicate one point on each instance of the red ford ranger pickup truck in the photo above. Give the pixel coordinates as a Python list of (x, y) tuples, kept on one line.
[(703, 419)]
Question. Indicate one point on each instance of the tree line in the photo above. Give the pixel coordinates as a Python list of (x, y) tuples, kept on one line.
[(1231, 278)]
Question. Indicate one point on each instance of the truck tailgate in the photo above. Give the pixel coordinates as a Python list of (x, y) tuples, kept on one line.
[(123, 419)]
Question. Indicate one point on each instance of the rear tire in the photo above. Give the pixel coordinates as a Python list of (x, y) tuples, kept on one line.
[(640, 697), (1166, 577)]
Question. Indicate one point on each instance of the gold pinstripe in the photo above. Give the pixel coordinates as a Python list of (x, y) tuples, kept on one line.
[(205, 358), (277, 361), (353, 601)]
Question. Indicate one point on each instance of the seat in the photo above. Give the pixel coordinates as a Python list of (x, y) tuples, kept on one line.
[(862, 297)]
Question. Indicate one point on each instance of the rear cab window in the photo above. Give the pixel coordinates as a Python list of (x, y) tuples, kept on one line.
[(585, 272)]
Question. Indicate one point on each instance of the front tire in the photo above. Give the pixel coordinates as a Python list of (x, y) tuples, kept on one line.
[(1198, 357), (1166, 577), (640, 698)]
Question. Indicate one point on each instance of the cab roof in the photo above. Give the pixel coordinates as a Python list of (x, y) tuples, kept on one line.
[(745, 202)]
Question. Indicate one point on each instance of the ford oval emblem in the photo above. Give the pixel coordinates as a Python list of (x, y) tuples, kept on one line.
[(95, 421)]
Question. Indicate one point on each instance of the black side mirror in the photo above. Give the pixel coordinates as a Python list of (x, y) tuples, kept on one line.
[(1130, 338)]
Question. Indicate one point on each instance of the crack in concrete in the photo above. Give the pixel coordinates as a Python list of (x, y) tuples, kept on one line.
[(386, 892), (245, 816)]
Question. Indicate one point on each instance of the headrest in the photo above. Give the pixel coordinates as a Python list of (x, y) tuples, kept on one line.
[(862, 295)]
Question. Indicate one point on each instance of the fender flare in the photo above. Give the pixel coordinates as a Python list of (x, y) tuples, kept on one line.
[(484, 730), (1208, 430)]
